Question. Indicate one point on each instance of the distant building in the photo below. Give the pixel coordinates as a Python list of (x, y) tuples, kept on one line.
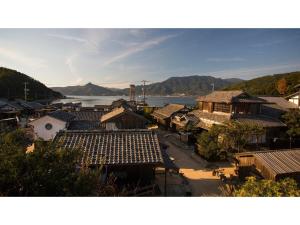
[(164, 115), (132, 155), (123, 118), (48, 126), (272, 165), (223, 106)]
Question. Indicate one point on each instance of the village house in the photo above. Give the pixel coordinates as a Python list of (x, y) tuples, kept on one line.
[(220, 107), (123, 118), (164, 115), (277, 106), (132, 155), (272, 165), (123, 103), (295, 97), (86, 120), (48, 126)]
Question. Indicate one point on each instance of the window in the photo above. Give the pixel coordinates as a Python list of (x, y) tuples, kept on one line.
[(48, 126), (222, 107), (205, 106)]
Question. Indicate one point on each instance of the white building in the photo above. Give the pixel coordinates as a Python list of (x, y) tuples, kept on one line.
[(294, 98), (48, 126)]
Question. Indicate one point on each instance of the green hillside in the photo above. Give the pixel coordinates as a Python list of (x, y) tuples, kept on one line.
[(12, 86), (267, 85)]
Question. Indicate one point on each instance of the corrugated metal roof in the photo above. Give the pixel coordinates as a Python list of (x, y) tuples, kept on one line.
[(279, 162)]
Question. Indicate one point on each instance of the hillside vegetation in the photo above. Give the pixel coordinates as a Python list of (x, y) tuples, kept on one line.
[(12, 86), (186, 85), (267, 85)]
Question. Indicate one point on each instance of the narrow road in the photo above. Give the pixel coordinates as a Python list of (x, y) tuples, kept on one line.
[(200, 178)]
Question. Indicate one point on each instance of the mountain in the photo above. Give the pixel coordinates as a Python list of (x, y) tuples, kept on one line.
[(266, 85), (188, 85), (12, 86), (89, 90)]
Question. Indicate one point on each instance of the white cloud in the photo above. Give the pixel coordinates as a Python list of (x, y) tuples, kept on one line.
[(138, 48), (253, 72), (233, 59), (26, 60), (68, 37)]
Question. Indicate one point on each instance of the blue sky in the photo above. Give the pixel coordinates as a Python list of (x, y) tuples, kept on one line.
[(118, 57)]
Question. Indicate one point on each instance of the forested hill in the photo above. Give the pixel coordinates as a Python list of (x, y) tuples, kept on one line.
[(268, 85), (87, 90), (12, 86), (186, 85)]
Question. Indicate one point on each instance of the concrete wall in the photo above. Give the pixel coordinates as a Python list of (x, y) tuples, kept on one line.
[(40, 130)]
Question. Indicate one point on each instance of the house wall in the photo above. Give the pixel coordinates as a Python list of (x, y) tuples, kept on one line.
[(295, 100), (128, 121), (40, 130)]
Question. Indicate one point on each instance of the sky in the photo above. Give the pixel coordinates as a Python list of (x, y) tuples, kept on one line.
[(119, 57)]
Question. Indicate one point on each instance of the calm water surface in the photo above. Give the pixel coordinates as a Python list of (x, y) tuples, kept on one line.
[(107, 100)]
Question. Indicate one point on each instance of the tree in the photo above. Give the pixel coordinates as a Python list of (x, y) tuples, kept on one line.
[(281, 86), (268, 188), (236, 135), (47, 171), (292, 120), (208, 145)]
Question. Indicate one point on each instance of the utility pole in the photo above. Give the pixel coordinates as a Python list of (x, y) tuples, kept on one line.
[(144, 90), (213, 86), (25, 91)]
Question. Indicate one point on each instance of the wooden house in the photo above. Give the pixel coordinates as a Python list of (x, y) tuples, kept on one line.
[(132, 155), (277, 106), (272, 165), (164, 115), (123, 118), (86, 120), (222, 106)]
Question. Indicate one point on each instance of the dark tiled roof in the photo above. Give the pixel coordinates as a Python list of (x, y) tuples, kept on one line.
[(259, 120), (122, 147), (61, 115), (168, 110), (220, 96), (114, 113), (220, 118), (229, 97), (86, 125), (87, 115), (118, 112), (280, 103)]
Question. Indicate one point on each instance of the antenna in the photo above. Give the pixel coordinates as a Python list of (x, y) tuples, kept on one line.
[(25, 91), (144, 90)]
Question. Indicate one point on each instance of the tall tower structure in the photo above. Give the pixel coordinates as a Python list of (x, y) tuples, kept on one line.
[(132, 92)]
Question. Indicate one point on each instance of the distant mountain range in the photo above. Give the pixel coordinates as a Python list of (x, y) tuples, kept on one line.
[(186, 85), (12, 86), (266, 85)]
